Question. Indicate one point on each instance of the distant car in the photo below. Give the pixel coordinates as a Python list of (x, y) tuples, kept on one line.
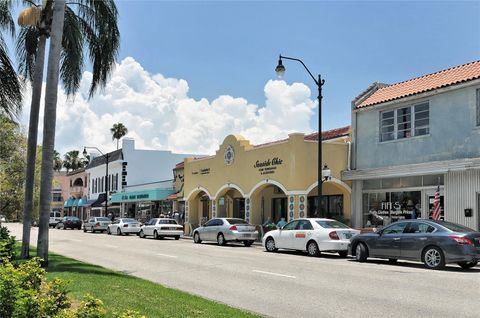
[(124, 226), (435, 243), (69, 222), (55, 218), (96, 224), (3, 218), (160, 228), (313, 235), (224, 230)]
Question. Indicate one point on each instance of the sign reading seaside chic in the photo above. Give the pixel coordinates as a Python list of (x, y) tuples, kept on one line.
[(268, 166), (145, 195)]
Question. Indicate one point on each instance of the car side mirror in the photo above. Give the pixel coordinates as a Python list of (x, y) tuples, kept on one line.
[(379, 232)]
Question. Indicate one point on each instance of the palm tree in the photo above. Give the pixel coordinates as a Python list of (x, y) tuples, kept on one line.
[(10, 86), (57, 162), (72, 160), (85, 24), (118, 130)]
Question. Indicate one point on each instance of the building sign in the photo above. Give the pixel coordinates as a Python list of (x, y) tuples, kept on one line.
[(145, 195), (135, 196), (268, 166), (384, 208)]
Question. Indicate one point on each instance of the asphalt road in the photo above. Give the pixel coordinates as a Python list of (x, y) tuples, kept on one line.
[(285, 284)]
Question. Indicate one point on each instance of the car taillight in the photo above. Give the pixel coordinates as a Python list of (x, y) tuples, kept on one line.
[(97, 224), (125, 225), (333, 235), (233, 228), (462, 240)]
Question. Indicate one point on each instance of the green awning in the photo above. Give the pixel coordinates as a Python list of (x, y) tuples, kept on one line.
[(68, 203), (75, 202), (82, 201), (145, 195)]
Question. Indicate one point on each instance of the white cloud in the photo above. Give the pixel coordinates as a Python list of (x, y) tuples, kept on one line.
[(159, 114)]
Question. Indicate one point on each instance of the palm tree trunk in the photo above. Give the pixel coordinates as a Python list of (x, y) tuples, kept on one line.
[(32, 145), (117, 142), (49, 122)]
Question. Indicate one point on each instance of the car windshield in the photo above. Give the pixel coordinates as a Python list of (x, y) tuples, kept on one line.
[(331, 224), (167, 221), (456, 227), (129, 221), (103, 219), (237, 221), (72, 218)]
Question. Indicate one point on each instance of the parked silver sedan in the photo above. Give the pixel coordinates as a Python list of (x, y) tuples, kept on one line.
[(160, 228), (95, 224), (124, 226), (223, 230)]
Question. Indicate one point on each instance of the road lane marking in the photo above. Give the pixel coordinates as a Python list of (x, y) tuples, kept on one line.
[(166, 255), (274, 274), (110, 246)]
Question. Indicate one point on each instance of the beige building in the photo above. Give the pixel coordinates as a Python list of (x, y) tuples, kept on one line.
[(265, 182)]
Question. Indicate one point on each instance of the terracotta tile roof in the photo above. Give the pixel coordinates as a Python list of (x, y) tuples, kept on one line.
[(448, 77), (326, 135), (179, 165)]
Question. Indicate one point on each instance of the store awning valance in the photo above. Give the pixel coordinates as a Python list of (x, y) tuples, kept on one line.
[(99, 201), (68, 203), (88, 203), (145, 195), (75, 202)]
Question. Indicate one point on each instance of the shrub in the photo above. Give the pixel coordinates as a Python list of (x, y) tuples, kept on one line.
[(7, 245)]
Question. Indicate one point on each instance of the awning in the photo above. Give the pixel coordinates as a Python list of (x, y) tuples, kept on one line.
[(81, 202), (68, 203), (75, 202), (88, 203), (99, 201), (145, 195)]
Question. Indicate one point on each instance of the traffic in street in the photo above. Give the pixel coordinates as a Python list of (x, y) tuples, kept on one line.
[(282, 284)]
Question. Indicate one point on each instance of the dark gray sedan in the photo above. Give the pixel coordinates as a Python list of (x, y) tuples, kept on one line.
[(435, 243)]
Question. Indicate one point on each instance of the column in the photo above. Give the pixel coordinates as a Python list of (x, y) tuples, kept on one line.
[(214, 208), (186, 212), (248, 209), (290, 207), (302, 205)]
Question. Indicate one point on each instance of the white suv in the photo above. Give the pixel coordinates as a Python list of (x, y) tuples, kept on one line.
[(55, 218)]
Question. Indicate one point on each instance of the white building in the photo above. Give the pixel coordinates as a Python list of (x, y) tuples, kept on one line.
[(129, 169)]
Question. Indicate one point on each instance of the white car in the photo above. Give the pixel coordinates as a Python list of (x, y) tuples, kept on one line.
[(124, 226), (311, 235), (160, 228)]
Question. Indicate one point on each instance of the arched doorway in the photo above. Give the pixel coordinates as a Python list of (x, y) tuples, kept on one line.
[(230, 202), (269, 203), (335, 201), (198, 210)]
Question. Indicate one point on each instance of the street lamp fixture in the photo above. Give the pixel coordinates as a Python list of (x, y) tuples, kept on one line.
[(280, 70), (326, 174), (107, 157)]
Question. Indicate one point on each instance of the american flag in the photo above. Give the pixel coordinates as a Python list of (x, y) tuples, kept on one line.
[(436, 205)]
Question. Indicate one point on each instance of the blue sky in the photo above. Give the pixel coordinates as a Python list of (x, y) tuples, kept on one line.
[(227, 47)]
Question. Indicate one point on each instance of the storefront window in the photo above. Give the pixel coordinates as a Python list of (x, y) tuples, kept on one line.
[(332, 207), (383, 208)]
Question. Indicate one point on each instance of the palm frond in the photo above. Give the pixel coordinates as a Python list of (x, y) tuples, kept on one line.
[(10, 86), (26, 51), (72, 55), (6, 20)]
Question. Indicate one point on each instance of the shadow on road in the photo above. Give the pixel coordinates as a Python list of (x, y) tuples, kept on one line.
[(404, 264)]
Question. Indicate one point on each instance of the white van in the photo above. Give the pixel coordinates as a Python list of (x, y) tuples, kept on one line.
[(55, 218)]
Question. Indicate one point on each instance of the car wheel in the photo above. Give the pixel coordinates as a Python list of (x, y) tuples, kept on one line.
[(119, 232), (467, 265), (392, 260), (64, 227), (221, 239), (361, 252), (270, 245), (142, 235), (343, 254), (155, 235), (312, 249), (196, 238), (177, 237), (84, 230), (108, 231), (433, 258)]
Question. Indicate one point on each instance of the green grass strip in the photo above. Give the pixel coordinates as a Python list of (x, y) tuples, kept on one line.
[(120, 292)]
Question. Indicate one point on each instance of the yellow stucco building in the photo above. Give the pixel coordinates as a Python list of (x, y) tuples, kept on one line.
[(266, 182)]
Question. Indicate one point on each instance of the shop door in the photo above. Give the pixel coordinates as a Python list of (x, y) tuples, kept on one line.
[(279, 209), (205, 208), (239, 208)]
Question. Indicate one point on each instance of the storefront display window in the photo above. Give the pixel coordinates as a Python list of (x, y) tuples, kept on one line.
[(383, 208), (332, 207)]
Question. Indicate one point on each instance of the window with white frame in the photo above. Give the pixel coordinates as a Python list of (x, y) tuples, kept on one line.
[(405, 122)]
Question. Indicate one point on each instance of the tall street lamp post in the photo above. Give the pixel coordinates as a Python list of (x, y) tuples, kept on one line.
[(280, 70), (85, 153)]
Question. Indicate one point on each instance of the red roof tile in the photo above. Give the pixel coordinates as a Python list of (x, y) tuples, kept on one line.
[(448, 77), (179, 165)]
